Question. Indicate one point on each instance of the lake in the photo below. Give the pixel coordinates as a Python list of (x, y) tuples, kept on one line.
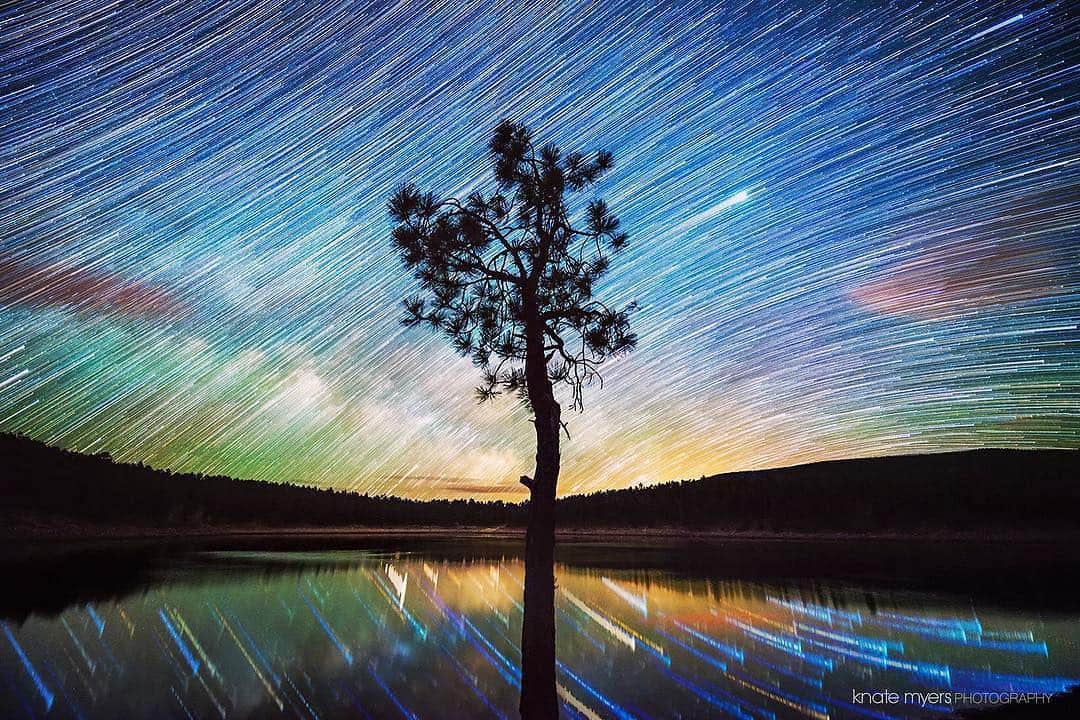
[(420, 631)]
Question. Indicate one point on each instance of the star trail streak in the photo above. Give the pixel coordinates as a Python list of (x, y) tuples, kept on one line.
[(854, 230)]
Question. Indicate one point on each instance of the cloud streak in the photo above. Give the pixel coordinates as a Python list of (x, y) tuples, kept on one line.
[(39, 285), (944, 281)]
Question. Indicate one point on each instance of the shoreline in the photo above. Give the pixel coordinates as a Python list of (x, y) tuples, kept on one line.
[(1006, 569), (80, 532)]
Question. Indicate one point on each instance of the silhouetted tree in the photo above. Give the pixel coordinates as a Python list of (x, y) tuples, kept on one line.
[(509, 278)]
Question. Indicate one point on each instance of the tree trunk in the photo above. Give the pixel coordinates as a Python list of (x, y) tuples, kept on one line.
[(538, 697)]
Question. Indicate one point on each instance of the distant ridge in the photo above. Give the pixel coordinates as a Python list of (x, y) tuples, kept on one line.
[(956, 491), (975, 490)]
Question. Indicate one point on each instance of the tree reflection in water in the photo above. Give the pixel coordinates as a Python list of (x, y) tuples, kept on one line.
[(414, 636)]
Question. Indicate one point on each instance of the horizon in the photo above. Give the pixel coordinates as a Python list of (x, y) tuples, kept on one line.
[(520, 498), (853, 233)]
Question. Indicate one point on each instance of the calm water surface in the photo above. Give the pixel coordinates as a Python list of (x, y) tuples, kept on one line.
[(388, 635)]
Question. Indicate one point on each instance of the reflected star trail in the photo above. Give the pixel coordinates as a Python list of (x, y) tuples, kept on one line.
[(853, 231), (336, 635)]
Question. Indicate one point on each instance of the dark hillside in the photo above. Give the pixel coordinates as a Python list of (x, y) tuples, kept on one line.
[(1022, 490), (969, 490), (42, 482)]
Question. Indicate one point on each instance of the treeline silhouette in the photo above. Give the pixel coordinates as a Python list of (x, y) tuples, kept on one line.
[(969, 490), (40, 481)]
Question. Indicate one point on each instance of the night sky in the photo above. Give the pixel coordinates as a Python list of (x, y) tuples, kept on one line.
[(854, 226)]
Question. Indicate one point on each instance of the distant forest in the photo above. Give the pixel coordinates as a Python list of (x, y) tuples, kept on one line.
[(969, 490)]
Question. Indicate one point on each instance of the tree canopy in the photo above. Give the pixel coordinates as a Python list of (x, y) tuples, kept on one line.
[(495, 268)]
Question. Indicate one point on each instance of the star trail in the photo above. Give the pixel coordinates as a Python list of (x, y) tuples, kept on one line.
[(853, 231)]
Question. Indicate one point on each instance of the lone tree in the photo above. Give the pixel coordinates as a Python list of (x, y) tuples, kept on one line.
[(509, 278)]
